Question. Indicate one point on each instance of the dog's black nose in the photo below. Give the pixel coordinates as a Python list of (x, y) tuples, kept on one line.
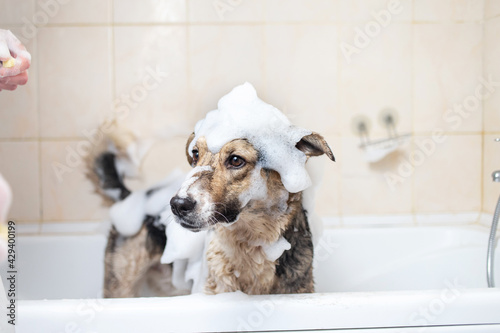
[(182, 206)]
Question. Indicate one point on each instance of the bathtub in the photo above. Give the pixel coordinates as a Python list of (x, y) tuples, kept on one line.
[(371, 279)]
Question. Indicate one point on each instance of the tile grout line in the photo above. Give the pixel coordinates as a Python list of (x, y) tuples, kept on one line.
[(413, 113), (483, 137), (341, 137), (244, 23), (187, 33), (112, 67), (39, 132)]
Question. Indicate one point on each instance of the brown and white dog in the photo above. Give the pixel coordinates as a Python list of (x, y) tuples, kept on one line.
[(216, 197), (132, 266), (260, 240)]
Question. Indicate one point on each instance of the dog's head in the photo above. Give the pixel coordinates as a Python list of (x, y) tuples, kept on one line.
[(225, 184)]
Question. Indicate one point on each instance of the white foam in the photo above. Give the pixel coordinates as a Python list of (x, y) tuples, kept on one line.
[(185, 187), (274, 250), (159, 200), (242, 115), (186, 250), (197, 170), (316, 168), (257, 189), (127, 215)]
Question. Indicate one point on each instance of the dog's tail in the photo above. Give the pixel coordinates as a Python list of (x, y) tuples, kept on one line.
[(117, 156), (110, 182)]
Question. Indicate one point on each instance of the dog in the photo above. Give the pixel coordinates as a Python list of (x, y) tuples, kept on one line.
[(261, 242), (132, 266)]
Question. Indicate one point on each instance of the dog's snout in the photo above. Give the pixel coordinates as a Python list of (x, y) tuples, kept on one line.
[(182, 206)]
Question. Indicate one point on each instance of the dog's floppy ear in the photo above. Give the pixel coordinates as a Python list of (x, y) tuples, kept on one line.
[(314, 145), (190, 159)]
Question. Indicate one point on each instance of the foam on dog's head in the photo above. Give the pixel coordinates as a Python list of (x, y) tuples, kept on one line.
[(243, 115)]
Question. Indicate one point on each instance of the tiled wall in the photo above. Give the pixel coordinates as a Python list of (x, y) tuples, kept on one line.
[(491, 149), (93, 57)]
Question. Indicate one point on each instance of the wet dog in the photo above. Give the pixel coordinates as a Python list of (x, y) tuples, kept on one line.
[(250, 223), (132, 256), (244, 188)]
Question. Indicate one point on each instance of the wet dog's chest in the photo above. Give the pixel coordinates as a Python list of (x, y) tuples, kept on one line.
[(241, 267)]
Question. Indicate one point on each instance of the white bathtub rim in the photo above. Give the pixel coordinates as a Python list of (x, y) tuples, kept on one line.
[(202, 313), (354, 221)]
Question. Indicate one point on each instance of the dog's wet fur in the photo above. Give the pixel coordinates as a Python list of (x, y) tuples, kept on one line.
[(248, 207), (132, 265)]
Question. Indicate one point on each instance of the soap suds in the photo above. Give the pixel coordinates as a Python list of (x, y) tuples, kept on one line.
[(127, 215), (257, 189), (242, 115), (274, 250), (186, 251)]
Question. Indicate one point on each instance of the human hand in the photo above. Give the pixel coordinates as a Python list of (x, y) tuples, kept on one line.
[(5, 201), (12, 50)]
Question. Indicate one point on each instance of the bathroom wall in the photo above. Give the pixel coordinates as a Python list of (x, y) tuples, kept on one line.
[(162, 64), (491, 127)]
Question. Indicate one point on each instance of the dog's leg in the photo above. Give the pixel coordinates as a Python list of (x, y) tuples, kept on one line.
[(127, 260), (294, 270)]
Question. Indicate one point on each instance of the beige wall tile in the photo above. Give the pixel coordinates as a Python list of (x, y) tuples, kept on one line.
[(368, 188), (74, 79), (375, 10), (151, 78), (300, 11), (16, 12), (19, 166), (226, 11), (149, 11), (446, 74), (491, 8), (19, 109), (376, 78), (66, 194), (448, 10), (301, 75), (75, 11), (491, 163), (491, 72), (164, 158), (372, 196), (328, 192), (421, 70), (222, 57), (449, 179)]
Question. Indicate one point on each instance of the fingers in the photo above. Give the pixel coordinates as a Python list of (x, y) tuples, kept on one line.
[(4, 51), (7, 87), (20, 79), (15, 46), (20, 66), (17, 49), (25, 63), (11, 47), (4, 46), (11, 83)]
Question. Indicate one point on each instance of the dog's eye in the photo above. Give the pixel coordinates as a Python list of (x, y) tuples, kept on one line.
[(196, 156), (235, 162)]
